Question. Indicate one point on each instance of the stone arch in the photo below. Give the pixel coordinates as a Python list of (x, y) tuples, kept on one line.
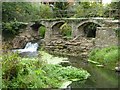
[(56, 28), (36, 26), (85, 30), (90, 21), (35, 29)]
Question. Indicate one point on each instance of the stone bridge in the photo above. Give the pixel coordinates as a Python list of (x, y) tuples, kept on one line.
[(79, 44), (77, 25)]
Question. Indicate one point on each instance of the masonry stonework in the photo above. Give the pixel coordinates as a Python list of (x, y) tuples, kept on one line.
[(78, 45), (105, 36)]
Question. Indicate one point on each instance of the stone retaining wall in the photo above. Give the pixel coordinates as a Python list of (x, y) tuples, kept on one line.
[(79, 47), (83, 45)]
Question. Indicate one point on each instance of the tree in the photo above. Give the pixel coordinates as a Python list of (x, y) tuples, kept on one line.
[(61, 9), (115, 9), (24, 11), (15, 11), (88, 9), (45, 11)]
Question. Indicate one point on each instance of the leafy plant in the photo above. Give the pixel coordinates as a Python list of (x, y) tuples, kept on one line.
[(68, 72), (31, 73)]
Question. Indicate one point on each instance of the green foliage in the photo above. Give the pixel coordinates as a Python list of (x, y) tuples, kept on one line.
[(113, 11), (61, 5), (17, 71), (87, 9), (60, 9), (10, 65), (24, 11), (32, 73), (10, 29), (66, 30), (45, 11), (117, 32), (15, 11), (69, 72), (115, 5), (42, 30), (92, 26), (107, 56)]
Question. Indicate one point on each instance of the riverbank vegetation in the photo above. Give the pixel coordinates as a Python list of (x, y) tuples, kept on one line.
[(106, 56), (20, 72)]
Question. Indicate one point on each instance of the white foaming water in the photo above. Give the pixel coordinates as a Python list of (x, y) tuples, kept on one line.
[(30, 47)]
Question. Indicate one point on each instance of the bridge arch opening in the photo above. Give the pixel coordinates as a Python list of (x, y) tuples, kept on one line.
[(39, 29), (89, 29), (66, 31), (56, 29), (42, 30)]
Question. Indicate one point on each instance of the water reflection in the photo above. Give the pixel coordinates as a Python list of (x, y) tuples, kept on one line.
[(101, 77)]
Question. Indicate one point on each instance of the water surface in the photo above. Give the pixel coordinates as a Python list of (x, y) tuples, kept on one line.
[(101, 77)]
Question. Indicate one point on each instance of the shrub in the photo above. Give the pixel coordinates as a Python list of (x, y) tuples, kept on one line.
[(10, 65), (15, 70)]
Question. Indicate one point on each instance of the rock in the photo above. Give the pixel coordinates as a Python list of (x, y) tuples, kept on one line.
[(117, 69), (100, 65), (65, 63), (84, 54), (66, 84), (94, 62)]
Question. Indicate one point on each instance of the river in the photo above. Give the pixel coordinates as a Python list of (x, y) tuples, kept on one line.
[(101, 77)]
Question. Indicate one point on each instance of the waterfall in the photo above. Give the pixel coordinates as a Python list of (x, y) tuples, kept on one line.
[(29, 50), (31, 47)]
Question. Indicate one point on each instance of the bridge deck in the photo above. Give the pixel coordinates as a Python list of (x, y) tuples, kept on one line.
[(57, 19)]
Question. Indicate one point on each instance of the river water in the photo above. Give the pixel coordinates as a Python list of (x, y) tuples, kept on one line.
[(101, 77)]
